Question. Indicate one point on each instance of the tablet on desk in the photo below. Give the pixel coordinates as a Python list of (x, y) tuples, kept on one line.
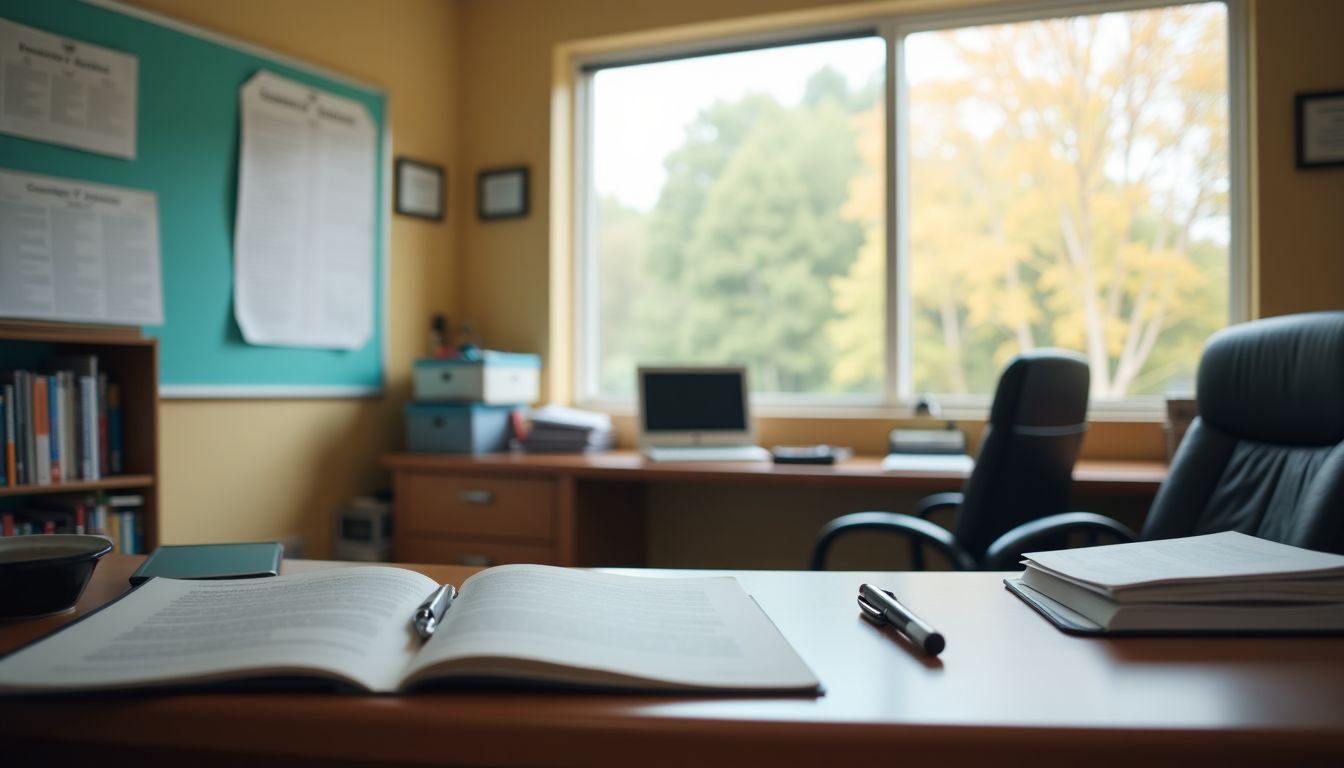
[(212, 561)]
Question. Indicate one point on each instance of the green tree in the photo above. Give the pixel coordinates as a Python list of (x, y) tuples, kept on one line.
[(1060, 172)]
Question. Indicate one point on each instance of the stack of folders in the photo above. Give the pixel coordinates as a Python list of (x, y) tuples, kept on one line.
[(1216, 583), (557, 429)]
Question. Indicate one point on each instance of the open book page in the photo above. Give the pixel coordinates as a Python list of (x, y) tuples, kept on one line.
[(1216, 557), (348, 624), (552, 624)]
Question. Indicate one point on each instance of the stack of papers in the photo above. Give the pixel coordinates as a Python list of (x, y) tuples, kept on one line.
[(1221, 582), (557, 429)]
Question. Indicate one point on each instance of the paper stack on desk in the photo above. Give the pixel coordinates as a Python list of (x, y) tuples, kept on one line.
[(557, 429), (1221, 582)]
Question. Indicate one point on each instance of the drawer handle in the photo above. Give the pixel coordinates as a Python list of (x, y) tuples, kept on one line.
[(479, 560), (477, 497), (445, 376)]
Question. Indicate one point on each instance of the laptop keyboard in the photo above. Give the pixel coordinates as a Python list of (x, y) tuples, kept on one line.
[(709, 453)]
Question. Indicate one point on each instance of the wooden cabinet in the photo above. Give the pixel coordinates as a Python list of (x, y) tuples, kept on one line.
[(467, 519), (131, 361)]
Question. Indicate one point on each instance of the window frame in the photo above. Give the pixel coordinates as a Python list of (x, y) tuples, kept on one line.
[(896, 395)]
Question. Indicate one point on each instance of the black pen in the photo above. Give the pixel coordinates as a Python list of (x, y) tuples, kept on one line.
[(430, 612), (881, 607)]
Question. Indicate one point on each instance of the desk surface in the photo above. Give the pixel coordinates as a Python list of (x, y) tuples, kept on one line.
[(1009, 687), (1102, 476)]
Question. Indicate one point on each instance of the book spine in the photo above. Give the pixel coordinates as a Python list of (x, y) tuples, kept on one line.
[(41, 431), (67, 417), (81, 518), (114, 531), (54, 426), (102, 425), (4, 440), (10, 473), (115, 457), (88, 444), (21, 421), (7, 524), (72, 425)]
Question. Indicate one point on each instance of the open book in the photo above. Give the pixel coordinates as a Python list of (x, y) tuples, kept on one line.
[(1221, 582), (352, 626)]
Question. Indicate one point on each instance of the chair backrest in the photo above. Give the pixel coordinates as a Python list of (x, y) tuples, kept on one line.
[(1265, 455), (1024, 469)]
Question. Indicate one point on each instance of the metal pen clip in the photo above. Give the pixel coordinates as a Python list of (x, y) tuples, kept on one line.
[(871, 612), (430, 613)]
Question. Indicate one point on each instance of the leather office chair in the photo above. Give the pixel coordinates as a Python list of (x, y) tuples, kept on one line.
[(1264, 456), (1023, 471)]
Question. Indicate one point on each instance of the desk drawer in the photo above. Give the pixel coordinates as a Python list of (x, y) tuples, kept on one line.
[(464, 505), (464, 552)]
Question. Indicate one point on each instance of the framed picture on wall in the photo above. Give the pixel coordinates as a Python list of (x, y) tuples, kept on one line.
[(419, 189), (1320, 129), (502, 193)]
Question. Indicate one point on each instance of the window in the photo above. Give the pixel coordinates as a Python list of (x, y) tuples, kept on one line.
[(1058, 182)]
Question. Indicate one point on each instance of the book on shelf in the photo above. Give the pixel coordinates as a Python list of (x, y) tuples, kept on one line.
[(67, 423), (512, 624), (11, 469), (1216, 583)]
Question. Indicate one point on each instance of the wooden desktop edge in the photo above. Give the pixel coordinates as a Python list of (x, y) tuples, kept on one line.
[(606, 730), (1129, 477)]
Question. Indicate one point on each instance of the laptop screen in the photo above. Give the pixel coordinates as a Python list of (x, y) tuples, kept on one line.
[(708, 402)]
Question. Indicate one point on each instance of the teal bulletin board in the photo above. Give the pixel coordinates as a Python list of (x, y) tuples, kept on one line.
[(187, 153)]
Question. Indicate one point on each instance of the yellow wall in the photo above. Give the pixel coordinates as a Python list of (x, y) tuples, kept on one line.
[(1301, 229), (243, 470)]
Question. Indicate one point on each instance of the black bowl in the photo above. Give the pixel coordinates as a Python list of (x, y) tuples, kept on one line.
[(46, 573)]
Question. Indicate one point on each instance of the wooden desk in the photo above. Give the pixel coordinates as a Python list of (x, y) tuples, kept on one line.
[(570, 509), (1009, 689)]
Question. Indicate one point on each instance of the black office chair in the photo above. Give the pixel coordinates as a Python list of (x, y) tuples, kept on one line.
[(1023, 471), (1265, 455)]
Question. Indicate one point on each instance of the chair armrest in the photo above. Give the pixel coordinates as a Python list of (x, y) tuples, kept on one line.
[(934, 502), (1006, 551), (920, 531)]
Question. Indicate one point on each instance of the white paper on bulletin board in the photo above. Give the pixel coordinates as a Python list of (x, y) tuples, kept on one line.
[(77, 251), (304, 236), (64, 91)]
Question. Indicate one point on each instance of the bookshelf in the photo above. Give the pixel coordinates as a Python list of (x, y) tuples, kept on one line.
[(132, 362)]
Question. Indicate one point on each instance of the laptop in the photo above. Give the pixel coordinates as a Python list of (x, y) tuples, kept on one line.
[(696, 414)]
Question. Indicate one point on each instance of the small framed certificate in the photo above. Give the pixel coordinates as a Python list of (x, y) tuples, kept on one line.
[(419, 189), (1320, 129), (502, 193)]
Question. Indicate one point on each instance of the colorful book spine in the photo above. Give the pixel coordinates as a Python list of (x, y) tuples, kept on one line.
[(54, 426), (11, 474), (69, 427), (41, 431)]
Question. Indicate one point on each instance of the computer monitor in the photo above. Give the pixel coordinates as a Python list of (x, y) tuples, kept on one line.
[(690, 406)]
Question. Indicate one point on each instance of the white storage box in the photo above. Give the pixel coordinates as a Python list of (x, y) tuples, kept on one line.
[(497, 378)]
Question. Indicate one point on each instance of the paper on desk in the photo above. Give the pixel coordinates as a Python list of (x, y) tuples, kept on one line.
[(304, 237), (1228, 557), (77, 251), (64, 91)]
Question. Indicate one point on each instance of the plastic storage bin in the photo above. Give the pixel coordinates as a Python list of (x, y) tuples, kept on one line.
[(497, 378), (457, 428)]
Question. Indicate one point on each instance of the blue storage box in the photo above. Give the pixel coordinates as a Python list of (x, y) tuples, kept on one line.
[(457, 427)]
